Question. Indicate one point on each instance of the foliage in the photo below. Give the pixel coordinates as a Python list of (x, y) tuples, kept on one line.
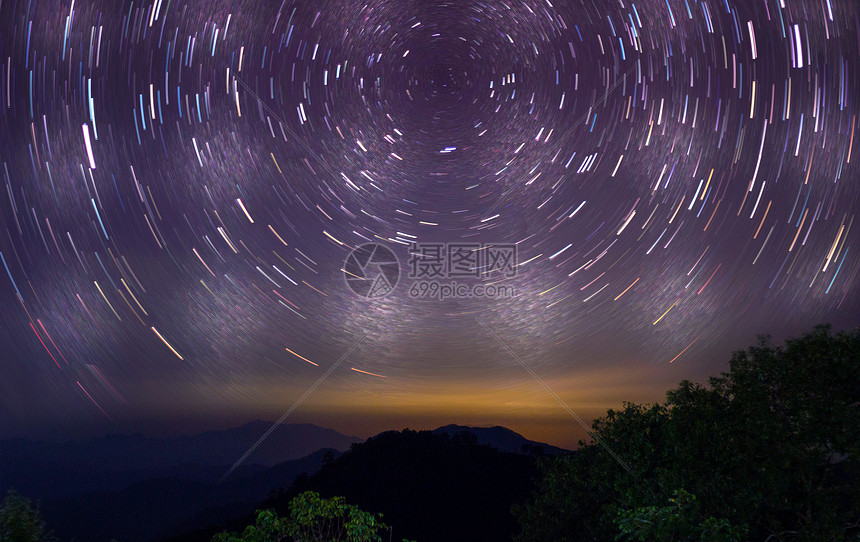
[(681, 521), (312, 518), (268, 528), (20, 520), (772, 446), (319, 519)]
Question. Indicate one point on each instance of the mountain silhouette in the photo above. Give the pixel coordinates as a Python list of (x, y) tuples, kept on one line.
[(136, 488), (429, 486), (52, 471), (155, 508), (503, 439)]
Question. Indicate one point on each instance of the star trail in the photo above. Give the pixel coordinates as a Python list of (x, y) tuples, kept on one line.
[(183, 181)]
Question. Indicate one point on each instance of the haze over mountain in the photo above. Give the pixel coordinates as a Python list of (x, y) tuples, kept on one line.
[(156, 507), (48, 470)]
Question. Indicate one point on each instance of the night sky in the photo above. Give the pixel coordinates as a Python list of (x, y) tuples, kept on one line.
[(182, 182)]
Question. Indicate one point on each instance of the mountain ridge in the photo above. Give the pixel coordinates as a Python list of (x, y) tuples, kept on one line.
[(134, 487), (503, 439), (46, 470)]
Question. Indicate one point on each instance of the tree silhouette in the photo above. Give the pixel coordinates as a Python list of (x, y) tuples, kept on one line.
[(20, 520), (772, 446), (312, 519)]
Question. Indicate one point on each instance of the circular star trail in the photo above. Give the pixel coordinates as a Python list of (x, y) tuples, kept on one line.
[(183, 181)]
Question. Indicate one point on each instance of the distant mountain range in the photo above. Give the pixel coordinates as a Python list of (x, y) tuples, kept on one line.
[(136, 488), (158, 507), (47, 470)]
